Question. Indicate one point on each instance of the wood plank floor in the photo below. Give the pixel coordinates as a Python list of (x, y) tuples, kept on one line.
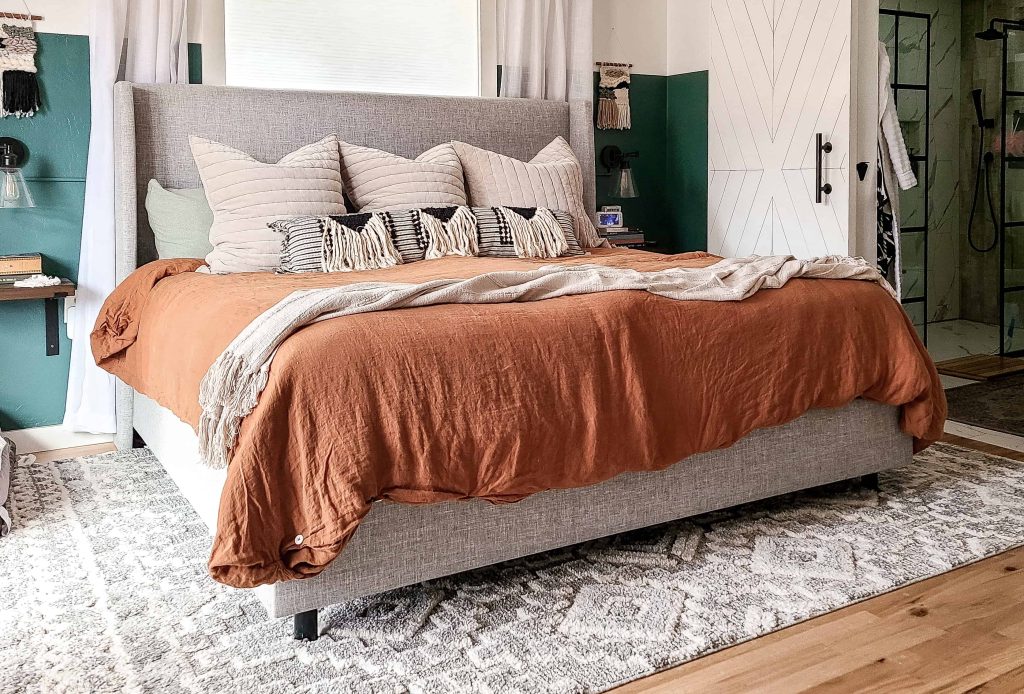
[(962, 631)]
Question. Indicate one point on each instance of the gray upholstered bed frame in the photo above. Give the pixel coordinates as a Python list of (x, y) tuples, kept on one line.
[(399, 545)]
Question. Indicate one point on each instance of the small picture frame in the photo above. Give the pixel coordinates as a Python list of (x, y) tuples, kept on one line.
[(609, 218)]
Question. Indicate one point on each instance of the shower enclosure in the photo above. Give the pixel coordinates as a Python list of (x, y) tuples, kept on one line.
[(958, 82)]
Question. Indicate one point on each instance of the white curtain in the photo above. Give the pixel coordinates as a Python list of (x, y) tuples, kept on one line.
[(546, 49), (140, 41)]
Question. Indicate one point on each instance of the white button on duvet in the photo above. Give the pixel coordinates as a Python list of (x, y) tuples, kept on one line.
[(299, 539)]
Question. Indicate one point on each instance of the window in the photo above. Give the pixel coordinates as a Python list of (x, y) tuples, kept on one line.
[(403, 46)]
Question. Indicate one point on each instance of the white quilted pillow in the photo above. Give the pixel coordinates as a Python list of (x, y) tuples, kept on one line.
[(376, 180), (552, 179), (246, 195)]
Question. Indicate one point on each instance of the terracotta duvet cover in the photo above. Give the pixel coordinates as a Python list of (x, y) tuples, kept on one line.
[(494, 401)]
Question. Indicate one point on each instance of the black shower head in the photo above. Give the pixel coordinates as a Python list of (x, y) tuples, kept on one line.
[(993, 34)]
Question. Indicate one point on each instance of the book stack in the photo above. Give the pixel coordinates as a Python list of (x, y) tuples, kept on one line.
[(631, 238), (16, 267)]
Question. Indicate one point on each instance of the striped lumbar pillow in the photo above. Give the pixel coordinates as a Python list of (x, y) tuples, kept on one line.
[(520, 232), (376, 239), (379, 240)]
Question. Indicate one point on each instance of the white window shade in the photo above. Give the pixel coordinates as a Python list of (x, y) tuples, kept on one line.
[(402, 46)]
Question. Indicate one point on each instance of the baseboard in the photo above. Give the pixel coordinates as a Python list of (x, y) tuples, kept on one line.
[(53, 438), (995, 438)]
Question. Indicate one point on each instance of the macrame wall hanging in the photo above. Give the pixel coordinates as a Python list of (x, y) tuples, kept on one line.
[(613, 96), (19, 89)]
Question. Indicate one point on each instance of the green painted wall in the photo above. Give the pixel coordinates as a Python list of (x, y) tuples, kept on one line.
[(32, 385), (647, 136), (686, 171), (670, 130), (195, 63)]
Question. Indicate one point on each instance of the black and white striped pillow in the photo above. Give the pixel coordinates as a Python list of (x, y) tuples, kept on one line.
[(495, 239), (302, 247), (303, 243)]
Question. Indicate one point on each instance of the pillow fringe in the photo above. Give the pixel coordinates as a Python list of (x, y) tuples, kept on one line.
[(538, 237), (457, 236), (369, 248)]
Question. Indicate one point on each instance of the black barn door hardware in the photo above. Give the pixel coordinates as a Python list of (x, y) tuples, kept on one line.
[(822, 148)]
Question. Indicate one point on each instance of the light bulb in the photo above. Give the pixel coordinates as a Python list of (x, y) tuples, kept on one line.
[(12, 191)]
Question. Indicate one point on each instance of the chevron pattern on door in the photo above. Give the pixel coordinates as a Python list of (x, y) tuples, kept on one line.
[(780, 74)]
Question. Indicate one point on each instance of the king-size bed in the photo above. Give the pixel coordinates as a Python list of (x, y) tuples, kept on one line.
[(845, 388)]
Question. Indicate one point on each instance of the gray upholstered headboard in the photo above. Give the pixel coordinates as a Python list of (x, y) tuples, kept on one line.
[(153, 123)]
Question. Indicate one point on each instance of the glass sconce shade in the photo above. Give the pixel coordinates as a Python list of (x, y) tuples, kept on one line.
[(623, 184), (618, 164), (13, 190)]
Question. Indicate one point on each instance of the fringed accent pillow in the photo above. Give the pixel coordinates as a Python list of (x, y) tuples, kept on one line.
[(525, 232), (20, 89), (375, 240)]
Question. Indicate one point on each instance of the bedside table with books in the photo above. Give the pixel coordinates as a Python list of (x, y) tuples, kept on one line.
[(624, 238)]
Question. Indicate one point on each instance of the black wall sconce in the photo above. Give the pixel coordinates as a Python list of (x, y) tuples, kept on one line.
[(616, 162)]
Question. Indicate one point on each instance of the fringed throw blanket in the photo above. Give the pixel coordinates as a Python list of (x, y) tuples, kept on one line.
[(233, 384), (20, 89), (613, 97)]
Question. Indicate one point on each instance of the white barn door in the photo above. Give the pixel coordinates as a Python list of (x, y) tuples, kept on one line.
[(780, 74)]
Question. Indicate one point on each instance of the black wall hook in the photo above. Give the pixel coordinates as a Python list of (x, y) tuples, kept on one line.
[(862, 169)]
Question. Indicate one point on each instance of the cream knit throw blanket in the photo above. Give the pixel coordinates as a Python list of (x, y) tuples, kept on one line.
[(231, 387)]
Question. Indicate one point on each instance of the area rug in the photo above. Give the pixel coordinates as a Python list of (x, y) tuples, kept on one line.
[(103, 587), (997, 404)]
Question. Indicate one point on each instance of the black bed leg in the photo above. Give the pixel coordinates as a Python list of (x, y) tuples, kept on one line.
[(307, 627), (870, 481)]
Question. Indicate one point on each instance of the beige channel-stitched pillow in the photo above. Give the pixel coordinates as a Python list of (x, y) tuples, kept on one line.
[(552, 179), (380, 181), (246, 195)]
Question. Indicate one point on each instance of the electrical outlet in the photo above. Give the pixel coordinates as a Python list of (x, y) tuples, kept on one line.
[(69, 315)]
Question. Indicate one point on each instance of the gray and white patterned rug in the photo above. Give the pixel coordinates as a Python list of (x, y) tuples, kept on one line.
[(103, 587)]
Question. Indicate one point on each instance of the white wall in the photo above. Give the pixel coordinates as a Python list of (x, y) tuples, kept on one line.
[(687, 43), (72, 17), (632, 31), (59, 16)]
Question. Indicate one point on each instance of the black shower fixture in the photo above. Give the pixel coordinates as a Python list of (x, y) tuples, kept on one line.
[(993, 34), (983, 122)]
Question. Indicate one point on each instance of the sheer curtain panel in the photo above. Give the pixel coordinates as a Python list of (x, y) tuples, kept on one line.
[(141, 41), (546, 49)]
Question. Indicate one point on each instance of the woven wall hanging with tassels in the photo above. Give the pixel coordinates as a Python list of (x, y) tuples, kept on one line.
[(613, 97), (19, 88)]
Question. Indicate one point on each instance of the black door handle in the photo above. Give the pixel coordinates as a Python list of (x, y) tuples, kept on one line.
[(822, 148)]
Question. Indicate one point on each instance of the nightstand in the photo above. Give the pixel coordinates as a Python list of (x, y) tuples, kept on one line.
[(627, 238), (49, 295)]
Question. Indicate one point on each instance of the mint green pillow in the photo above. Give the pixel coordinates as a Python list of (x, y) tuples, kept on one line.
[(180, 220)]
